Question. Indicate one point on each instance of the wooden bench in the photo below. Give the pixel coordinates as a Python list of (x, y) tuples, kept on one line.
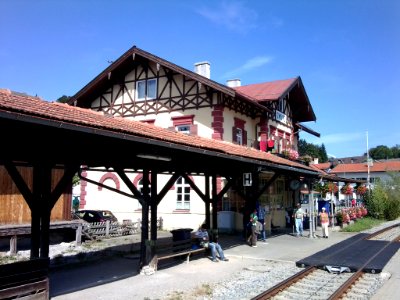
[(26, 280), (171, 249)]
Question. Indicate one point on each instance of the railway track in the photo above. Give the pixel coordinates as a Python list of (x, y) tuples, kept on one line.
[(314, 283)]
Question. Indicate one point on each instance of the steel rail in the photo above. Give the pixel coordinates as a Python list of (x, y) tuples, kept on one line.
[(338, 294), (381, 231), (284, 284)]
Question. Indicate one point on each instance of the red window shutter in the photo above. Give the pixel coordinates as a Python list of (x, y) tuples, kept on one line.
[(193, 129), (244, 138)]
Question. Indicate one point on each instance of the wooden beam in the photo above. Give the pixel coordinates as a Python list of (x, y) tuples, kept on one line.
[(136, 194), (66, 179), (167, 186), (19, 182)]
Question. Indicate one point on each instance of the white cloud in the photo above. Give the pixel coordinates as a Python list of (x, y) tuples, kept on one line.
[(232, 15), (251, 64)]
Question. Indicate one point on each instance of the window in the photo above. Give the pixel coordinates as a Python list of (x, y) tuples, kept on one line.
[(184, 124), (281, 105), (182, 194), (183, 129), (239, 136), (146, 89)]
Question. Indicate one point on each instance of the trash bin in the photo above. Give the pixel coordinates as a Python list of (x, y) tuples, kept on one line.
[(181, 234)]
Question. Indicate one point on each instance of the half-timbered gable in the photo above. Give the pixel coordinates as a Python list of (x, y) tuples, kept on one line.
[(290, 107), (144, 87)]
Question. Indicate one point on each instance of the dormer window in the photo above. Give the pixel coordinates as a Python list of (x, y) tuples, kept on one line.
[(183, 129), (146, 89), (185, 124)]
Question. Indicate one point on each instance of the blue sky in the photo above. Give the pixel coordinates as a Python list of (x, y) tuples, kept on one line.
[(346, 52)]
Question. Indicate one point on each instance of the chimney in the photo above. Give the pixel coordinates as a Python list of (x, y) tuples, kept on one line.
[(233, 82), (202, 68)]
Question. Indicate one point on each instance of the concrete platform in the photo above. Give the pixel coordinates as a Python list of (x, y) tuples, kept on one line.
[(117, 278)]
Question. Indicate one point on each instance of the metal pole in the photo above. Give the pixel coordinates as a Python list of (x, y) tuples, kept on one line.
[(368, 165), (311, 211), (332, 210)]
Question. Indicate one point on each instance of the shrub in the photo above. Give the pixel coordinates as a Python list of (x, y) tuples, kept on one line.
[(383, 201)]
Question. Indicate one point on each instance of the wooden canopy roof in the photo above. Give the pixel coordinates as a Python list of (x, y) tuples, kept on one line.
[(59, 133)]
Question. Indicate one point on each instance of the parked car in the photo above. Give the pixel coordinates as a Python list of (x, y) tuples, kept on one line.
[(92, 216)]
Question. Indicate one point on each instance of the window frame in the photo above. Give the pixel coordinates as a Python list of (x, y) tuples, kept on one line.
[(147, 83), (182, 192)]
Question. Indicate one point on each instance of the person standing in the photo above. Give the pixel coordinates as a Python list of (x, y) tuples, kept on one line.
[(324, 217), (253, 221), (261, 219), (298, 216)]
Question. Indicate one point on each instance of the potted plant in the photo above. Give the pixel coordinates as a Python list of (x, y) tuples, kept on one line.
[(339, 218)]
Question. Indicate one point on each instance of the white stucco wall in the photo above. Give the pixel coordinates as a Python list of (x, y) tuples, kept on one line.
[(125, 207)]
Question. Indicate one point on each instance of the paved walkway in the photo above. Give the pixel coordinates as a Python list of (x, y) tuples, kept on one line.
[(117, 278)]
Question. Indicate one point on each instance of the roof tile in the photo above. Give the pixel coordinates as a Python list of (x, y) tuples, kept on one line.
[(36, 107)]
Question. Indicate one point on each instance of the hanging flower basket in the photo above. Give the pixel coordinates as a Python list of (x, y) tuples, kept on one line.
[(322, 189), (347, 189), (361, 190), (332, 187)]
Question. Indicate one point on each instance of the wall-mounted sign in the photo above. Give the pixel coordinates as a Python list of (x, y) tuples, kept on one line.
[(247, 180), (280, 117)]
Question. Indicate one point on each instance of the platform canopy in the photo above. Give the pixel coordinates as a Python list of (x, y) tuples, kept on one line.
[(36, 131)]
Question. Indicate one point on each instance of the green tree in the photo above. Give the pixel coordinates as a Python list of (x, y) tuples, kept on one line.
[(396, 151), (323, 154), (63, 99), (381, 152), (315, 151)]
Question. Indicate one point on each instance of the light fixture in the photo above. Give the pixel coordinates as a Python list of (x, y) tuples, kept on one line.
[(154, 157)]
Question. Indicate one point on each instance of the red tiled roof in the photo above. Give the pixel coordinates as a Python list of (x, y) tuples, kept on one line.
[(267, 90), (20, 104), (386, 166), (322, 166)]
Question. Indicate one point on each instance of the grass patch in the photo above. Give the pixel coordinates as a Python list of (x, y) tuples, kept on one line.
[(363, 224)]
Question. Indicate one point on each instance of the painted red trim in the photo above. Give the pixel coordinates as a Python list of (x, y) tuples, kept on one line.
[(111, 176), (217, 124), (239, 123), (183, 120), (82, 198), (151, 121), (181, 211)]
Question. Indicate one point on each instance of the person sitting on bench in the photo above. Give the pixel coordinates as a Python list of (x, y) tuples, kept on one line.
[(202, 235)]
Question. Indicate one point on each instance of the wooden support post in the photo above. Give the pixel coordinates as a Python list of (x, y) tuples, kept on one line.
[(13, 245)]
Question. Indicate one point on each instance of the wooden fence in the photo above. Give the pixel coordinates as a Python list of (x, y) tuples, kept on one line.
[(99, 230)]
